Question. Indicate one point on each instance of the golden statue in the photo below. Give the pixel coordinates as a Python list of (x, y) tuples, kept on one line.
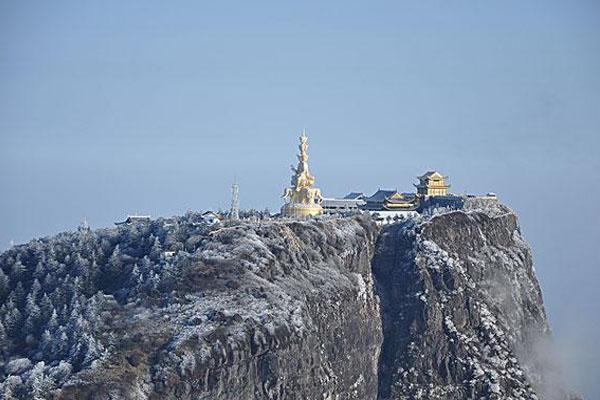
[(302, 199)]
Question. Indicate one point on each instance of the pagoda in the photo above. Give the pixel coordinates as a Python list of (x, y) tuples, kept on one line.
[(302, 199), (431, 184)]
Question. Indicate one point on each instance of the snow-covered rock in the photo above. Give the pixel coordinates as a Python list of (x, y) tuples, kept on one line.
[(478, 332), (442, 306)]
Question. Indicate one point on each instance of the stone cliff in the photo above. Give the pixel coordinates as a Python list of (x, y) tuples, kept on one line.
[(463, 315), (438, 307)]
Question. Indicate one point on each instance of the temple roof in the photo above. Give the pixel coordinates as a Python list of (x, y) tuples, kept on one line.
[(354, 196), (429, 174), (380, 195), (403, 198)]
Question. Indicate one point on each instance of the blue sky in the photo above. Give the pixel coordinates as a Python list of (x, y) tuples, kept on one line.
[(115, 107)]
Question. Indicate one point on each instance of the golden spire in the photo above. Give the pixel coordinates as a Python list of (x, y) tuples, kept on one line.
[(303, 199)]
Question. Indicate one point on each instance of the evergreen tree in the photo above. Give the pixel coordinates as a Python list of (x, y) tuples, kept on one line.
[(46, 307), (60, 343), (52, 323), (63, 314), (136, 276), (91, 278), (12, 319), (18, 295), (156, 250), (35, 289), (39, 270), (4, 285), (46, 344), (49, 281), (41, 383), (3, 340), (33, 313), (18, 269), (113, 270)]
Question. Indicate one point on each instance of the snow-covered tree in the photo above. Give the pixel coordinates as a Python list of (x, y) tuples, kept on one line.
[(13, 319), (4, 285)]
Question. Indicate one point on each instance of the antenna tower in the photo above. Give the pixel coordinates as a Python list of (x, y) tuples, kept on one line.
[(234, 213)]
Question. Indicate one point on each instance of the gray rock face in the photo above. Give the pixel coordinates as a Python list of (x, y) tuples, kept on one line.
[(463, 316), (439, 307), (273, 311)]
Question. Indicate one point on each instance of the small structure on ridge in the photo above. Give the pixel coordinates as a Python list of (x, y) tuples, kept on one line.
[(135, 219), (211, 217)]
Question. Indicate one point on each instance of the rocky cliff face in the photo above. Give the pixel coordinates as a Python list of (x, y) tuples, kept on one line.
[(462, 310), (440, 307), (275, 310), (272, 312)]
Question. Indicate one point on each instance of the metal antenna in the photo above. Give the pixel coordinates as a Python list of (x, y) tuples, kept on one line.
[(234, 213)]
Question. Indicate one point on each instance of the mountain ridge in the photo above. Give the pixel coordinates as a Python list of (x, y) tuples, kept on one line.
[(273, 310)]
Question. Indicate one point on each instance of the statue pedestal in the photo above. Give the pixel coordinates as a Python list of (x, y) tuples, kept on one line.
[(299, 210)]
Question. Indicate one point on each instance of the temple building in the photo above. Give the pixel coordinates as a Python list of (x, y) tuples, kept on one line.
[(391, 200), (302, 199), (349, 203), (387, 206), (432, 183)]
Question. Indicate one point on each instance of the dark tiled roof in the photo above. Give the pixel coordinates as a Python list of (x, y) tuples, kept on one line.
[(380, 195), (430, 173), (354, 195)]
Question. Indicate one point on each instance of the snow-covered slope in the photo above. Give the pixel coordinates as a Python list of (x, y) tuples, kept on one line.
[(267, 310), (440, 307)]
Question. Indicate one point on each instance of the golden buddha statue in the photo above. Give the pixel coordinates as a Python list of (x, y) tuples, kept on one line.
[(303, 200)]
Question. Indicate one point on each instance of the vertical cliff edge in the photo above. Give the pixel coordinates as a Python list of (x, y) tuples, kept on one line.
[(463, 316), (442, 306)]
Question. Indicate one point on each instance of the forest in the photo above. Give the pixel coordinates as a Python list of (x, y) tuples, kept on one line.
[(58, 293)]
